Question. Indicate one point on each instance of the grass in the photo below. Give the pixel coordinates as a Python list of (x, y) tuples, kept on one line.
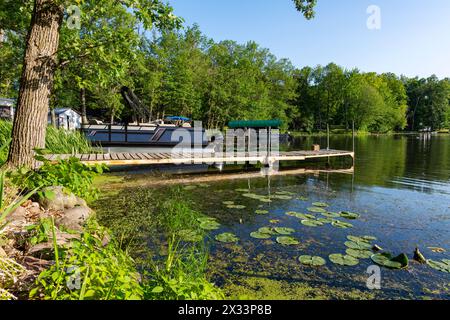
[(57, 141), (173, 269)]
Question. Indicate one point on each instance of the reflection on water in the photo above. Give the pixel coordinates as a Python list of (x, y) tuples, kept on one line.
[(401, 188)]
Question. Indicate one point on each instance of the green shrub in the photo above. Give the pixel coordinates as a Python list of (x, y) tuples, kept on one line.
[(71, 174), (89, 270)]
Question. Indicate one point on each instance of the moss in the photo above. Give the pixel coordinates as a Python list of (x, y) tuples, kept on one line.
[(254, 288)]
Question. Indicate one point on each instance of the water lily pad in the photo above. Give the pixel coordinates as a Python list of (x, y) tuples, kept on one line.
[(281, 197), (312, 261), (317, 210), (288, 241), (359, 254), (206, 219), (284, 231), (358, 245), (261, 212), (350, 215), (274, 221), (437, 249), (342, 225), (267, 230), (320, 205), (366, 239), (209, 225), (303, 198), (236, 206), (330, 214), (285, 193), (312, 223), (251, 196), (343, 260), (388, 261), (227, 238), (443, 266), (227, 203), (325, 220), (190, 236), (260, 235), (369, 238), (265, 200), (301, 216), (242, 190)]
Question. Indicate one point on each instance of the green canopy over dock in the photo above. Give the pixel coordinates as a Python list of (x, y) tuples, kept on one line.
[(255, 124)]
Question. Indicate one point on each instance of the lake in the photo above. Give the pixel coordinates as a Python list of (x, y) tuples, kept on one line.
[(400, 190)]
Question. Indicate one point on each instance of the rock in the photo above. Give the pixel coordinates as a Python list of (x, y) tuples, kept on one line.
[(81, 202), (58, 199), (18, 215), (74, 218), (45, 250)]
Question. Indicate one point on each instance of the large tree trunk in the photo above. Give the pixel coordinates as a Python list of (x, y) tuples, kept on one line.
[(36, 83), (84, 118)]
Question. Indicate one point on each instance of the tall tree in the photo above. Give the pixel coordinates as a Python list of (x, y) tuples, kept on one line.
[(40, 63)]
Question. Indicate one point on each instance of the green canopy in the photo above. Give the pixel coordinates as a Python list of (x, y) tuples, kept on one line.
[(255, 124)]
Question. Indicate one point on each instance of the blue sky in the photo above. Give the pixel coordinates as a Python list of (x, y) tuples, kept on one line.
[(414, 38)]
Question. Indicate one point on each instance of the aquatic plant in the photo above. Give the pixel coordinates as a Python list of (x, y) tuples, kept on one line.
[(312, 261), (358, 245), (320, 204), (260, 235), (190, 235), (227, 203), (236, 206), (282, 197), (209, 225), (342, 225), (284, 231), (316, 210), (325, 220), (261, 212), (303, 199), (343, 260), (287, 241), (359, 254), (350, 215), (227, 238), (312, 223), (267, 230), (443, 266), (301, 216), (330, 214), (387, 260)]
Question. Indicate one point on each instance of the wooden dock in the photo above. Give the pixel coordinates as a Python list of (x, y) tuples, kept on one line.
[(177, 158)]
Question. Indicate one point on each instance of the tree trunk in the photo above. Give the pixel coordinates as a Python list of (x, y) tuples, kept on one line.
[(36, 83), (53, 118), (84, 118), (2, 37)]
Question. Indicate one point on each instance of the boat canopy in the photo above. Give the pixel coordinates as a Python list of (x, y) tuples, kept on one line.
[(178, 119), (255, 124)]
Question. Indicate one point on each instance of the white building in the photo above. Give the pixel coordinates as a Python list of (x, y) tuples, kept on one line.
[(66, 118), (7, 108)]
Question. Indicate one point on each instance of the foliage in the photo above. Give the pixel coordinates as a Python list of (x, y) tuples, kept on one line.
[(71, 174), (89, 270), (58, 141), (181, 276)]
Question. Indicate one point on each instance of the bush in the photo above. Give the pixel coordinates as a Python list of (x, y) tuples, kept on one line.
[(71, 174), (89, 270)]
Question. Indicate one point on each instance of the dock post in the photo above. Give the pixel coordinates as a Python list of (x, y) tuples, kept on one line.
[(328, 136)]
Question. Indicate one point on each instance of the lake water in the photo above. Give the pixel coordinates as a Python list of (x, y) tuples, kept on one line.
[(400, 187)]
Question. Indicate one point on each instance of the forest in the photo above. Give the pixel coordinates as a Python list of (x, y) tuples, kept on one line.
[(177, 70)]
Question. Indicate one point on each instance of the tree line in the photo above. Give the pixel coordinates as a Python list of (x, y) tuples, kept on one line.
[(177, 70)]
